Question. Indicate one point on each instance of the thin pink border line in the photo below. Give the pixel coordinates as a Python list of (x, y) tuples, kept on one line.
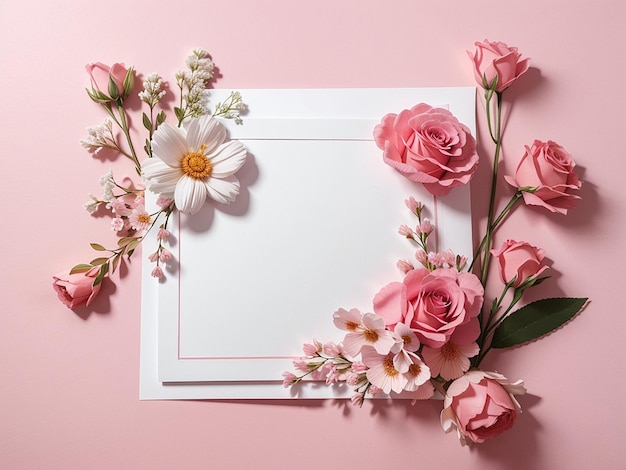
[(215, 358)]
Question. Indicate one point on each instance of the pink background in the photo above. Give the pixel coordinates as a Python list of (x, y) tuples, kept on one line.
[(69, 393)]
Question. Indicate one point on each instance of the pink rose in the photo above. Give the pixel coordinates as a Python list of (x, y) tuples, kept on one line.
[(546, 174), (519, 261), (102, 74), (76, 289), (496, 59), (429, 146), (435, 305), (481, 405)]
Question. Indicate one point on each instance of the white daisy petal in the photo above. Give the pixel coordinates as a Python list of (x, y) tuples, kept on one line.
[(159, 177), (228, 158), (190, 195), (179, 165), (223, 190), (169, 144), (206, 130)]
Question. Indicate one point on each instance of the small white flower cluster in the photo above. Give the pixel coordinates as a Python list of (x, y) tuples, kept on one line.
[(108, 184), (231, 108), (152, 90), (99, 137), (193, 82)]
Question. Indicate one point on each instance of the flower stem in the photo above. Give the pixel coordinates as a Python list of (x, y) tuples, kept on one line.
[(516, 197), (494, 179)]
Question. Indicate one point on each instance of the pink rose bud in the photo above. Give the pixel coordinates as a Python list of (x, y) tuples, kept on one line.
[(428, 145), (546, 176), (499, 62), (108, 82), (519, 261), (76, 289), (481, 405)]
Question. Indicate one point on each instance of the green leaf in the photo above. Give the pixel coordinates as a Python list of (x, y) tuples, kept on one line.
[(125, 241), (129, 82), (99, 261), (146, 122), (104, 269), (98, 247), (115, 262), (535, 320), (81, 268), (161, 118)]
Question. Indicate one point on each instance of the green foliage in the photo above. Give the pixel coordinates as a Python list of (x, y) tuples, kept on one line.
[(535, 320)]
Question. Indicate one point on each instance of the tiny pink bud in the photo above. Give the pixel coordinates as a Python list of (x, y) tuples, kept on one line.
[(162, 234), (165, 256), (404, 266), (157, 272), (425, 227), (413, 205), (405, 231), (154, 256)]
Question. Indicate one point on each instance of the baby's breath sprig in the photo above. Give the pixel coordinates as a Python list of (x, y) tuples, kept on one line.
[(151, 95)]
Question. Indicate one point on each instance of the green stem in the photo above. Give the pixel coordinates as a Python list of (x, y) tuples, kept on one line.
[(516, 197), (126, 131), (490, 327), (492, 200)]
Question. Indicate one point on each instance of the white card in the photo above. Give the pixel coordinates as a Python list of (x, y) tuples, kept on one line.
[(314, 229)]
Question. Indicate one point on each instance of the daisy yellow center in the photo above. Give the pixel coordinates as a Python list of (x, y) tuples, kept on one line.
[(370, 336), (406, 339), (351, 326), (144, 218), (390, 370), (449, 351), (196, 164)]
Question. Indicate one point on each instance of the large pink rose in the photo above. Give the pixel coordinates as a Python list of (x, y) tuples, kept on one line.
[(519, 261), (76, 289), (429, 146), (481, 405), (548, 170), (101, 75), (434, 305), (496, 59)]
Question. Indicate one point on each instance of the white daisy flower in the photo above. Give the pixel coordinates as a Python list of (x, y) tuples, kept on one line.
[(194, 162)]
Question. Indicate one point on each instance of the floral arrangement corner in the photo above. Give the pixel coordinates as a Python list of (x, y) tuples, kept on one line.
[(186, 164), (428, 333)]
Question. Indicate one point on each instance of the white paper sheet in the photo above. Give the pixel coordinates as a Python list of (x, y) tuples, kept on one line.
[(313, 229)]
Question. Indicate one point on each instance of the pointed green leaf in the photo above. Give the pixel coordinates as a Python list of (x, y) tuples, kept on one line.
[(98, 247), (125, 241), (81, 268), (161, 118), (129, 82), (115, 262), (104, 269), (146, 121), (535, 320), (99, 261)]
